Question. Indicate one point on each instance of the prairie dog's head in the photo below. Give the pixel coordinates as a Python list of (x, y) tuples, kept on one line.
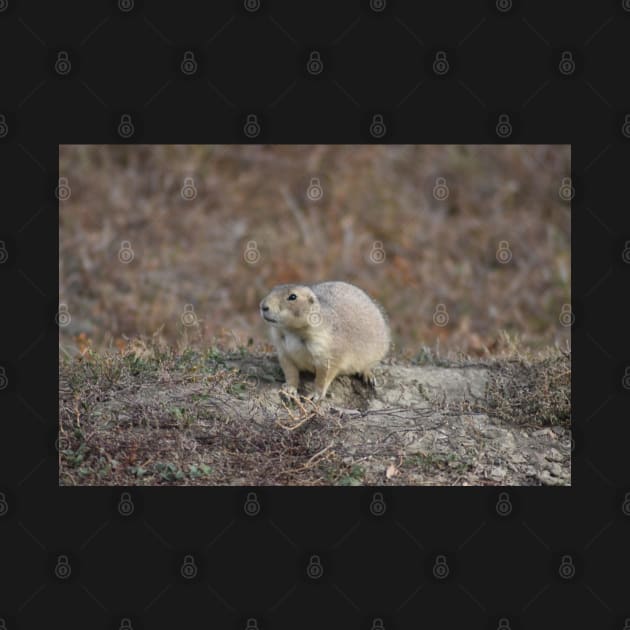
[(289, 306)]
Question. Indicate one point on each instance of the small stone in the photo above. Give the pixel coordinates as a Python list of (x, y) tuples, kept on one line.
[(498, 473), (543, 432), (554, 455)]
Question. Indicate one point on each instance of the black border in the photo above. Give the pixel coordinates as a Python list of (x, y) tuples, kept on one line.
[(501, 61)]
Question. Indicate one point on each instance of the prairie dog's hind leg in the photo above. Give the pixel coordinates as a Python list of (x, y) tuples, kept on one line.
[(367, 376)]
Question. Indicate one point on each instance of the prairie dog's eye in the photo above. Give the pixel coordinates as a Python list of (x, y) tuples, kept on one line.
[(292, 297)]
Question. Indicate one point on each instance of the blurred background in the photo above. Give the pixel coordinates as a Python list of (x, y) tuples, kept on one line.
[(459, 243)]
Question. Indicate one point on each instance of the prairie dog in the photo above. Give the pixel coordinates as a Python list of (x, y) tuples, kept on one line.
[(329, 328)]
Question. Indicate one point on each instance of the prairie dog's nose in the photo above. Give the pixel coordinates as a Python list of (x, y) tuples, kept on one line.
[(263, 306)]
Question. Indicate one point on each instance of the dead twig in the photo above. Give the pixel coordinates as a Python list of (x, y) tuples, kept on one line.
[(312, 460), (304, 416)]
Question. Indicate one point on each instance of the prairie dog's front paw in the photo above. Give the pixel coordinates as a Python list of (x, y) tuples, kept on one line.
[(288, 391)]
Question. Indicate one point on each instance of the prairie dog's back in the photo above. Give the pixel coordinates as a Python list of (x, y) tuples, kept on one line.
[(357, 322)]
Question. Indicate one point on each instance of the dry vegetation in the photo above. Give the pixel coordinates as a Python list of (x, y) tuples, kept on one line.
[(192, 252), (165, 376)]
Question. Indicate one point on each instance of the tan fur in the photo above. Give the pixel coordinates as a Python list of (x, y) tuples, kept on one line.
[(331, 328)]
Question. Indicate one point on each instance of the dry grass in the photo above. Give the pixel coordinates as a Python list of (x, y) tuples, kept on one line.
[(115, 430), (191, 252), (527, 387)]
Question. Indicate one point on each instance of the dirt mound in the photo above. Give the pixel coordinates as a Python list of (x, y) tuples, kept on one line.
[(212, 418)]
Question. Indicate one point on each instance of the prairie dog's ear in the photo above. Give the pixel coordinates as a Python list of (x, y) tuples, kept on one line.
[(311, 299)]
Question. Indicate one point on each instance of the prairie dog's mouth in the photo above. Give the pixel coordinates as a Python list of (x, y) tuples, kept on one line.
[(269, 319)]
